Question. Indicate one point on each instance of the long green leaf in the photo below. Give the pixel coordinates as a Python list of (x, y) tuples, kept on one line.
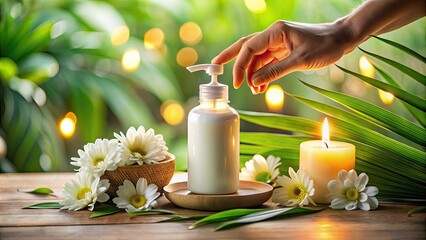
[(354, 119), (405, 96), (402, 48), (252, 149), (418, 114), (343, 129), (389, 162), (152, 211), (347, 117), (224, 216), (271, 139), (370, 137), (377, 115), (105, 210), (336, 112), (44, 205), (182, 218), (415, 210), (401, 67), (42, 190), (282, 122), (264, 215)]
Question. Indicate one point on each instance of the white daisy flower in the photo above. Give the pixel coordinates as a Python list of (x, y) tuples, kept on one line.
[(136, 199), (84, 191), (296, 189), (141, 147), (350, 192), (98, 157), (261, 170)]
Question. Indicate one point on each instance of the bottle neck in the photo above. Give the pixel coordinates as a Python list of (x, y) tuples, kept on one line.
[(214, 104)]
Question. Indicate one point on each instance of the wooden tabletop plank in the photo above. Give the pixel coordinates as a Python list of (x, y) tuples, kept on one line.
[(302, 228), (389, 221)]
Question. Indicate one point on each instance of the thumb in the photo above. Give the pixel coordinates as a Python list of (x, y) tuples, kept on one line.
[(275, 70)]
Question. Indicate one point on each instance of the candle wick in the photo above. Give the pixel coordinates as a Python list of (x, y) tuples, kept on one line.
[(326, 144)]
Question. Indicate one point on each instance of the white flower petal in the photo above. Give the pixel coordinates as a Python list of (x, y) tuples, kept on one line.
[(361, 182), (364, 206), (362, 197), (339, 203), (335, 188), (348, 183), (371, 191), (103, 197), (343, 175), (259, 163), (129, 188), (130, 208), (351, 206), (141, 186), (352, 175), (373, 202), (150, 191), (292, 174)]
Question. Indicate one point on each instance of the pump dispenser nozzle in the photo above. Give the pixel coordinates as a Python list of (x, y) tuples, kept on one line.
[(214, 90)]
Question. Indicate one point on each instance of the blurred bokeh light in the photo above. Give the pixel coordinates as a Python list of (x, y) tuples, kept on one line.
[(120, 35), (154, 38), (274, 98), (187, 56), (172, 112), (130, 60), (68, 124), (190, 33)]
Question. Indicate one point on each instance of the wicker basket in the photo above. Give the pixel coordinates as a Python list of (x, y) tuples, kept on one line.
[(159, 174)]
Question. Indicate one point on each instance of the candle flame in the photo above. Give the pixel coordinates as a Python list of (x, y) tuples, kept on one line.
[(325, 133)]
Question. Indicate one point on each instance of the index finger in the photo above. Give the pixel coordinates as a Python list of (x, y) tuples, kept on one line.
[(232, 51)]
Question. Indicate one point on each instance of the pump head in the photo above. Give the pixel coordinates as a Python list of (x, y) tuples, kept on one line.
[(214, 90)]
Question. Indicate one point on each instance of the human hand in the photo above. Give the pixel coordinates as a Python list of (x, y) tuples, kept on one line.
[(285, 47)]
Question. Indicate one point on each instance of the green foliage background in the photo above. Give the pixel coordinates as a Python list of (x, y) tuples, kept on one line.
[(79, 71)]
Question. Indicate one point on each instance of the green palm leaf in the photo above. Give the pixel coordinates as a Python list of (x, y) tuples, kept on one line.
[(418, 114), (272, 139), (342, 129), (402, 48), (405, 96), (410, 72), (377, 115)]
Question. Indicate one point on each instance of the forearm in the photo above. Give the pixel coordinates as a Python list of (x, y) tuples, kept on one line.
[(375, 17)]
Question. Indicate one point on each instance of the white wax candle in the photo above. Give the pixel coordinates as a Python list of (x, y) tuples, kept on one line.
[(322, 164)]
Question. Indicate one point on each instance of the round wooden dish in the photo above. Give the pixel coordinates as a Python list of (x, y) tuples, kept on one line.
[(250, 194)]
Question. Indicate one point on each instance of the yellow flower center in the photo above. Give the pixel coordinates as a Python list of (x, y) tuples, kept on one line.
[(97, 160), (138, 201), (298, 192), (138, 151), (263, 177), (352, 194), (82, 193)]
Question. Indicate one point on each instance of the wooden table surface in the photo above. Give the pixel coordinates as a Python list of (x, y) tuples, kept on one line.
[(389, 221)]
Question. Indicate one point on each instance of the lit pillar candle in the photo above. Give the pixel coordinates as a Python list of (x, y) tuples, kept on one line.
[(322, 159)]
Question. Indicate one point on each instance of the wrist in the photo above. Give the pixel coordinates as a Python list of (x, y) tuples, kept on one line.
[(347, 34)]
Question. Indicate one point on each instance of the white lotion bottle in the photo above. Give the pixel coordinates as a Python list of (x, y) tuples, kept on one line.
[(213, 138)]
